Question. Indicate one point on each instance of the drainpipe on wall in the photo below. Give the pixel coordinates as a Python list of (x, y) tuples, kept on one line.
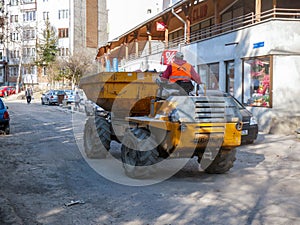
[(185, 25)]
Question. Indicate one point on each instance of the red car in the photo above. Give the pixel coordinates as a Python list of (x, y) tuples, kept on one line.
[(7, 90)]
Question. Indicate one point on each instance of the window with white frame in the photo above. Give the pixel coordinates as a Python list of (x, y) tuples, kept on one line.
[(14, 54), (28, 1), (14, 2), (45, 15), (29, 16), (13, 71), (28, 34), (63, 32), (14, 36), (63, 51), (63, 14), (14, 18), (257, 81), (209, 74)]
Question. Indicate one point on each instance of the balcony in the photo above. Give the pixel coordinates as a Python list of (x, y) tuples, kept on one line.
[(156, 47), (239, 23)]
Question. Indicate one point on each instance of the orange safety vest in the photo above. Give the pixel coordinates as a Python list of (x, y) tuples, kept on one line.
[(180, 72)]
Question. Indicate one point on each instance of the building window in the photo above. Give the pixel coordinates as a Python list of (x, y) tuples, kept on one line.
[(29, 34), (14, 19), (209, 74), (257, 81), (45, 15), (176, 37), (201, 30), (230, 77), (14, 54), (28, 1), (29, 16), (44, 71), (13, 71), (63, 51), (14, 36), (14, 2), (63, 14), (63, 32)]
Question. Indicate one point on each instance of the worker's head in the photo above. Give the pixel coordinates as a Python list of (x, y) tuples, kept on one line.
[(178, 55)]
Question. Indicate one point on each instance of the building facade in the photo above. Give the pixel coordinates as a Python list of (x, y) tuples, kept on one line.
[(3, 58), (250, 48), (77, 26)]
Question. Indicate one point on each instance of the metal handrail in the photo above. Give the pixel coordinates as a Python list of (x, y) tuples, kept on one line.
[(229, 26)]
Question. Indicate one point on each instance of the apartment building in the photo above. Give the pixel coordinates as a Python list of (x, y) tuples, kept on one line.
[(76, 23), (3, 59)]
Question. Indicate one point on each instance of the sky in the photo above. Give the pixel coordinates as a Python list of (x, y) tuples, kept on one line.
[(124, 15)]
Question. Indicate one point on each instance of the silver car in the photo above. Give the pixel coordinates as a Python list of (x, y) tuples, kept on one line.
[(50, 97), (70, 96)]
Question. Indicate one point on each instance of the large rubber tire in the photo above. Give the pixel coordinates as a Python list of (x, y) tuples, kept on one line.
[(139, 153), (222, 163), (92, 144), (103, 130)]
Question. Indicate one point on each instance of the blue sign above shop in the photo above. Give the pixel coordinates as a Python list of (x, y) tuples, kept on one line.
[(259, 44)]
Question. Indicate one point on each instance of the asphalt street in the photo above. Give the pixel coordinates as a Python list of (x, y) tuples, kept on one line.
[(45, 178)]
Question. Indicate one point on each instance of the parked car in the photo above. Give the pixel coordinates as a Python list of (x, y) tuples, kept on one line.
[(7, 90), (51, 97), (4, 118), (250, 126), (70, 96), (12, 90)]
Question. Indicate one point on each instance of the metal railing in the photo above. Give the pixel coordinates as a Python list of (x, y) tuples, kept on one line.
[(223, 28), (238, 23)]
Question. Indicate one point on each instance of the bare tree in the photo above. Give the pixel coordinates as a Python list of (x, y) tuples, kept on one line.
[(78, 65)]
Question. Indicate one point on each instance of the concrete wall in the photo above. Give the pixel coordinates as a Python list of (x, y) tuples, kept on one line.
[(282, 41)]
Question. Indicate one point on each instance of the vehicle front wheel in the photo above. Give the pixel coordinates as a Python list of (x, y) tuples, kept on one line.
[(103, 130), (139, 153), (222, 163), (92, 143)]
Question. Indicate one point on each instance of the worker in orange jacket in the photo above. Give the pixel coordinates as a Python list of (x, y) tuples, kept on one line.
[(182, 73)]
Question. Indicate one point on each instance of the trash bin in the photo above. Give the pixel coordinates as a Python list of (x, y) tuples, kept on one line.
[(60, 97)]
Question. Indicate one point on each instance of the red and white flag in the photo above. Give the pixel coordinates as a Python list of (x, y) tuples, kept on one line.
[(160, 26)]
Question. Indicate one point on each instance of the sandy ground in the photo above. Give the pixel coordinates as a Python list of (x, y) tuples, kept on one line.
[(42, 168)]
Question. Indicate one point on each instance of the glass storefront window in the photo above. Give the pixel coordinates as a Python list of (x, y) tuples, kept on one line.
[(210, 75), (256, 78)]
